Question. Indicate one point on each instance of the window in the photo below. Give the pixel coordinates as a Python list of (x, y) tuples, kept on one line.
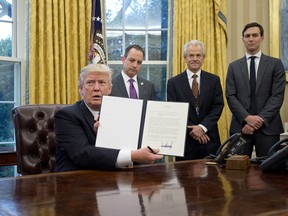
[(11, 67), (142, 22), (6, 26), (9, 97)]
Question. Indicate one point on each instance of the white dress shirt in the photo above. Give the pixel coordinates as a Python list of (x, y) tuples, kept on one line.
[(256, 60), (190, 79), (127, 83)]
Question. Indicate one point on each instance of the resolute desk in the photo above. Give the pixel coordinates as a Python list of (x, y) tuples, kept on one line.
[(181, 188)]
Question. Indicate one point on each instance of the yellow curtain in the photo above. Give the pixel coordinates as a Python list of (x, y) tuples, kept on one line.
[(203, 20), (58, 48)]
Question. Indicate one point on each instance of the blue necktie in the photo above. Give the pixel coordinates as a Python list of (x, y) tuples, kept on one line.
[(133, 93), (252, 109)]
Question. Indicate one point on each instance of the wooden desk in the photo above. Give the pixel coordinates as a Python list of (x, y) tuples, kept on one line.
[(181, 188)]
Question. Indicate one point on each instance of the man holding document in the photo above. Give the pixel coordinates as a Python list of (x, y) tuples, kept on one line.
[(203, 91), (76, 129), (140, 123)]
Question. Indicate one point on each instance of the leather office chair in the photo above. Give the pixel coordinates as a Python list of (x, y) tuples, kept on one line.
[(35, 138)]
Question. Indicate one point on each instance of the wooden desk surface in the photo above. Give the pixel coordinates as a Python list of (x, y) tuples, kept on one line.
[(181, 188)]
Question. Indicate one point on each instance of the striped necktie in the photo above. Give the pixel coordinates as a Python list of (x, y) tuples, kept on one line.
[(195, 90)]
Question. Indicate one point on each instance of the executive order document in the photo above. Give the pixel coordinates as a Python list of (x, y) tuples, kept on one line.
[(132, 123)]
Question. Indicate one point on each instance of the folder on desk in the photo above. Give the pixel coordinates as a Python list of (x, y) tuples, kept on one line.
[(133, 123)]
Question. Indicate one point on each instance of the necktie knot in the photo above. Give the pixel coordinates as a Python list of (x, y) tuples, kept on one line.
[(194, 76)]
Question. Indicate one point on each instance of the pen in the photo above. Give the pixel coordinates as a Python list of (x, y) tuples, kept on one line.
[(150, 149)]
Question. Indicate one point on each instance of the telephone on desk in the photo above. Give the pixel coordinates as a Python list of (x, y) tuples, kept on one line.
[(232, 146), (277, 158)]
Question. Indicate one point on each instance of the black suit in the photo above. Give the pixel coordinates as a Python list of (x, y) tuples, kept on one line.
[(75, 138), (270, 88), (210, 109), (145, 87)]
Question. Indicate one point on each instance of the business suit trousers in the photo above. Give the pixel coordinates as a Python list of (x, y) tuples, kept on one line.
[(261, 141)]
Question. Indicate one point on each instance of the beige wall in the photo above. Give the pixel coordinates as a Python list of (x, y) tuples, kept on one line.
[(239, 13)]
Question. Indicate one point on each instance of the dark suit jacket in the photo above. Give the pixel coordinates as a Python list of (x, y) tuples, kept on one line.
[(210, 109), (75, 141), (146, 88), (270, 88)]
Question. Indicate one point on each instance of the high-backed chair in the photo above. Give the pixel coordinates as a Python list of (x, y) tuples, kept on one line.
[(35, 138)]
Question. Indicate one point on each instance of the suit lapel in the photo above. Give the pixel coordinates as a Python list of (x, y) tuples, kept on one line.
[(203, 88), (186, 87), (261, 70), (245, 74), (141, 87), (88, 116), (188, 94), (121, 85)]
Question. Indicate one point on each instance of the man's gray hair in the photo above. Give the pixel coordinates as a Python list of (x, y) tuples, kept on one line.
[(94, 68), (194, 43)]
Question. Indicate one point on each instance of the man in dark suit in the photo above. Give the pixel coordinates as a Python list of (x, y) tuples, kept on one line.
[(206, 105), (255, 89), (76, 129), (132, 62)]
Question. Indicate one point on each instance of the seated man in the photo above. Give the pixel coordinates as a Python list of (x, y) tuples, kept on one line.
[(76, 129)]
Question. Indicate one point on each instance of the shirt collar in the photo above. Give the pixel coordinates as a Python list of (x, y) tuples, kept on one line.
[(258, 55), (190, 73), (95, 113), (127, 78)]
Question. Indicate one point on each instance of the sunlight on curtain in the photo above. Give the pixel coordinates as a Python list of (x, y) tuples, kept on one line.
[(203, 20), (274, 20), (275, 43), (58, 45)]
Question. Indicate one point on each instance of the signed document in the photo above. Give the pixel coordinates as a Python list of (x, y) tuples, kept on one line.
[(131, 124), (165, 127)]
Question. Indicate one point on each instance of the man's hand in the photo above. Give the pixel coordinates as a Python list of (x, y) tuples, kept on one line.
[(204, 139), (247, 129), (254, 121), (198, 134), (144, 155)]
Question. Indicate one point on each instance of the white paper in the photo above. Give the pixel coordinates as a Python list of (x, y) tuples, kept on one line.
[(120, 120), (165, 127)]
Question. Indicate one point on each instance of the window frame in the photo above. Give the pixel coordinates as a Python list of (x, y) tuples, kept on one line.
[(17, 88), (146, 61), (19, 26)]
